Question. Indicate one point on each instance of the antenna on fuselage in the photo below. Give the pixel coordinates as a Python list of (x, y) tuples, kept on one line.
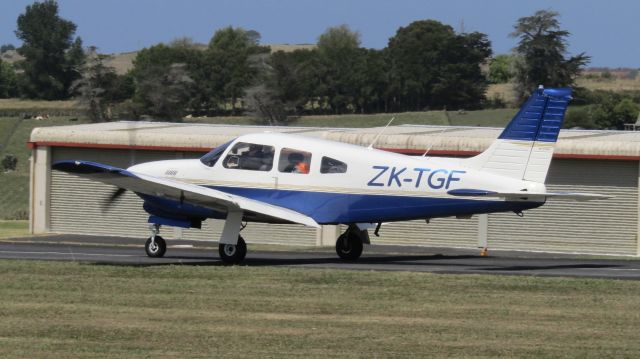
[(431, 146), (380, 133)]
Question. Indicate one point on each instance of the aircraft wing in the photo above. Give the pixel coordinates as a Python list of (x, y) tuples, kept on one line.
[(577, 196), (180, 191)]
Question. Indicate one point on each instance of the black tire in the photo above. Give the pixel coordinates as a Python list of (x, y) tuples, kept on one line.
[(233, 254), (158, 250), (349, 246)]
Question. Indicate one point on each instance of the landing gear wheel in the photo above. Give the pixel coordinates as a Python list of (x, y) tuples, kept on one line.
[(233, 253), (349, 246), (155, 248)]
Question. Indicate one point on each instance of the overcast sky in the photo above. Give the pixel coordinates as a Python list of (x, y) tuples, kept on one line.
[(609, 31)]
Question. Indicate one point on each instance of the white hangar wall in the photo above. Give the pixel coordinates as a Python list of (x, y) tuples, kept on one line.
[(62, 203)]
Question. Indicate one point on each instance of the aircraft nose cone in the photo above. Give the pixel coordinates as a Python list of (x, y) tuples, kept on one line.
[(145, 168)]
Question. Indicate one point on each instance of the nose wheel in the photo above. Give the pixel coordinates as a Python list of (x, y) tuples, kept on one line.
[(233, 253), (155, 245)]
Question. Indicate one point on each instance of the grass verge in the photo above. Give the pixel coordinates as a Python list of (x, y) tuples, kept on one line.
[(9, 229), (66, 309)]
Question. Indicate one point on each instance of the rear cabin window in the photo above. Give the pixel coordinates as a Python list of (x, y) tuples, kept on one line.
[(294, 161), (249, 156), (331, 165)]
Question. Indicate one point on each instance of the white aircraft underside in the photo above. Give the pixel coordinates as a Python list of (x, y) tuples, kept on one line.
[(282, 178)]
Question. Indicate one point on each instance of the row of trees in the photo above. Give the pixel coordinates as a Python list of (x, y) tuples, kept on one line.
[(426, 65)]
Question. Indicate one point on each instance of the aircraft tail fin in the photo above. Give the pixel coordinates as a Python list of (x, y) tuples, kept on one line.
[(525, 147)]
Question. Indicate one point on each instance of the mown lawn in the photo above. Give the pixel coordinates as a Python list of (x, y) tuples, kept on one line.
[(10, 229), (67, 310)]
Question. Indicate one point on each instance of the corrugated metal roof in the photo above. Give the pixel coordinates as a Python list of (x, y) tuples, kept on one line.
[(440, 139)]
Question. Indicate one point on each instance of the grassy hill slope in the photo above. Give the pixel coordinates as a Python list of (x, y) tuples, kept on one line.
[(14, 185)]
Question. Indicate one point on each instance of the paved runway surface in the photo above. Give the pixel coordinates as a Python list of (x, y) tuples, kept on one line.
[(128, 251)]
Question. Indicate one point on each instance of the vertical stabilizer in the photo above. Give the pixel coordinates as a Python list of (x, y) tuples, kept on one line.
[(525, 148)]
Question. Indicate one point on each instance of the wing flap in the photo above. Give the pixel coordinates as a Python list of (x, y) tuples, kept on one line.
[(179, 191)]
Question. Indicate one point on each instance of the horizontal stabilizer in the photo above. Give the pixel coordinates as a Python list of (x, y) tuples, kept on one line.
[(470, 192), (180, 191), (577, 196)]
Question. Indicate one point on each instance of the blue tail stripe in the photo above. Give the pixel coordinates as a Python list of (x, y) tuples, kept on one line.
[(541, 117)]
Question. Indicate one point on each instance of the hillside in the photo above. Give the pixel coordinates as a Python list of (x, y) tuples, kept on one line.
[(123, 62), (14, 185)]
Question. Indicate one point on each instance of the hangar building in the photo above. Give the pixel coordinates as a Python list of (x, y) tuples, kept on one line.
[(604, 162)]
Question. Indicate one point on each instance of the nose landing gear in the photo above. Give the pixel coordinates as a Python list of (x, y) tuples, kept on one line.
[(155, 245)]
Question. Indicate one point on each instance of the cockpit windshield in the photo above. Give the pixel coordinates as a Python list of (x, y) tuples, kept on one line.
[(212, 157)]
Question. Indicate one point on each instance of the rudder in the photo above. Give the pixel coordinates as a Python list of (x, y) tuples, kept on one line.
[(525, 147)]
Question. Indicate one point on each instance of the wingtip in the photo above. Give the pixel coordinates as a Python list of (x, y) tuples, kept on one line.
[(310, 222)]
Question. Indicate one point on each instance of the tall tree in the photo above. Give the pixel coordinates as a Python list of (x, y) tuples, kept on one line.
[(167, 92), (51, 55), (433, 67), (95, 87), (373, 95), (342, 67), (166, 79), (228, 59), (540, 54), (294, 79)]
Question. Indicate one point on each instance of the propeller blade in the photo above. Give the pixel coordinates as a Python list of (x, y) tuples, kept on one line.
[(112, 198)]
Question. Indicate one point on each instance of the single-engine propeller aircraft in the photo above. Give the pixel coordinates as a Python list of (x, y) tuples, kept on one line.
[(282, 178)]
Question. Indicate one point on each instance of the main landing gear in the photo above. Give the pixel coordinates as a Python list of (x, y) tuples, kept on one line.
[(233, 253), (155, 245), (349, 244)]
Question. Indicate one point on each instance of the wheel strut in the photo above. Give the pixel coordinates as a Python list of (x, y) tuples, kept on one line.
[(155, 230), (155, 245)]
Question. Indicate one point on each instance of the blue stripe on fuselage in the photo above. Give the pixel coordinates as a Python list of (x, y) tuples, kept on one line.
[(328, 208), (332, 208)]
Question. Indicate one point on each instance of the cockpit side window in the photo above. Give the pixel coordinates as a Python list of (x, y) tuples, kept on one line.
[(294, 161), (250, 156), (212, 157), (331, 165)]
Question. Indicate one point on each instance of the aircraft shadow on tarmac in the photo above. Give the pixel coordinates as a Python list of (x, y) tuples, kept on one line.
[(443, 262), (276, 260)]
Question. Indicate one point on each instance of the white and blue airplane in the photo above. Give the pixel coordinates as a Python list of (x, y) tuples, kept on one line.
[(283, 178)]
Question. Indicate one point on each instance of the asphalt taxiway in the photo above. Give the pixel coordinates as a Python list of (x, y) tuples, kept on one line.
[(130, 251)]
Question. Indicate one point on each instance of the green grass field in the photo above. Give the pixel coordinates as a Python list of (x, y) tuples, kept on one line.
[(14, 186), (70, 310), (10, 229), (14, 103)]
